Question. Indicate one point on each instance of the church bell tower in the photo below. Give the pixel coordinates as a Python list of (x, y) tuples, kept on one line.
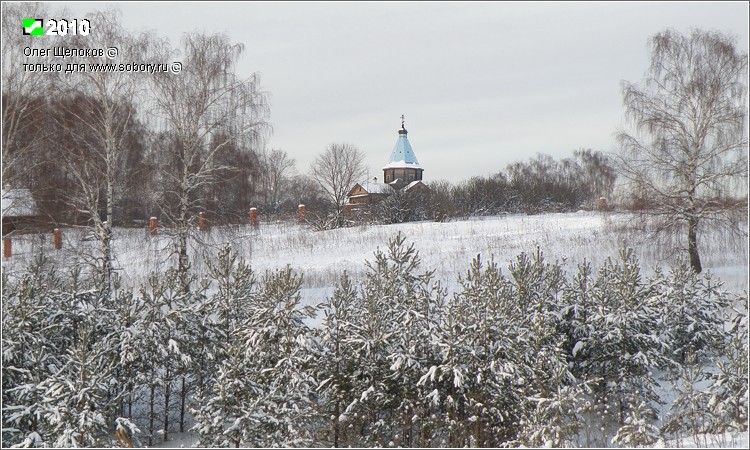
[(402, 167)]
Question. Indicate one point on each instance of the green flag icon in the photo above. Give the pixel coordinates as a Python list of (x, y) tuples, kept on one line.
[(33, 27)]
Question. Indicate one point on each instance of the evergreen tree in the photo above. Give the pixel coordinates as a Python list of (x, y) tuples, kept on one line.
[(65, 390), (129, 310), (393, 346), (159, 337), (547, 410), (236, 286), (76, 396), (623, 346), (556, 420), (729, 391), (212, 320), (221, 417), (576, 307), (32, 343), (336, 367), (638, 428), (689, 412), (264, 394), (496, 373), (692, 314)]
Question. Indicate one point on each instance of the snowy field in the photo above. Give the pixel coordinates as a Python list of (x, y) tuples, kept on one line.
[(447, 248)]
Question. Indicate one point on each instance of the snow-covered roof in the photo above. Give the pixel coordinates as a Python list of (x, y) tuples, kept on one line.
[(412, 184), (373, 187), (18, 202), (370, 187), (402, 155)]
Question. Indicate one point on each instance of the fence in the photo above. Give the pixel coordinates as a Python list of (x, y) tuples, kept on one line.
[(152, 229)]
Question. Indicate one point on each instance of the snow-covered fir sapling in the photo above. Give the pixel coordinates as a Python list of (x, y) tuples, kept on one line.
[(688, 412), (33, 346), (692, 321), (236, 284), (264, 393), (75, 395), (336, 368), (484, 372), (729, 391), (161, 336), (576, 305), (547, 411), (638, 428), (621, 346), (403, 310)]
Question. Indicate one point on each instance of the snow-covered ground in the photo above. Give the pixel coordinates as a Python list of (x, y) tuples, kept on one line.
[(725, 440), (447, 248)]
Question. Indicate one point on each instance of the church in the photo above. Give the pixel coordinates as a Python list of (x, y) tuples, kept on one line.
[(402, 171)]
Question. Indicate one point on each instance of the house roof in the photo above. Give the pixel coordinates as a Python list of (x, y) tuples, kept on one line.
[(372, 187), (402, 155), (18, 202), (377, 188), (414, 184)]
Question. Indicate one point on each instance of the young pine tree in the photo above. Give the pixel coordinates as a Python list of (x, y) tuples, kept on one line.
[(623, 347), (693, 308), (33, 344), (729, 391), (264, 394), (638, 428), (336, 368), (393, 346)]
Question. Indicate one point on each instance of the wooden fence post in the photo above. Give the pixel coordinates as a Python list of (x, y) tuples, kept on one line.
[(152, 224), (602, 203), (202, 221), (7, 251), (254, 217), (58, 238), (301, 213), (348, 210)]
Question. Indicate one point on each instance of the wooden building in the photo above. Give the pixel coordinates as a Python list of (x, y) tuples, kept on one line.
[(402, 171), (369, 192), (20, 211)]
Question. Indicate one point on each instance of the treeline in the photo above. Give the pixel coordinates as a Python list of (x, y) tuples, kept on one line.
[(541, 184), (61, 167), (144, 184), (530, 355)]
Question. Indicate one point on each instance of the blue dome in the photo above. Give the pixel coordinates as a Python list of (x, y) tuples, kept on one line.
[(402, 156)]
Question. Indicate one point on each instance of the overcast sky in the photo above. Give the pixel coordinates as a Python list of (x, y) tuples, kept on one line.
[(481, 84)]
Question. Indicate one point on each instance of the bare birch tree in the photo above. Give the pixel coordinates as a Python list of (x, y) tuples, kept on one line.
[(336, 170), (207, 99), (97, 116), (276, 170), (687, 152)]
